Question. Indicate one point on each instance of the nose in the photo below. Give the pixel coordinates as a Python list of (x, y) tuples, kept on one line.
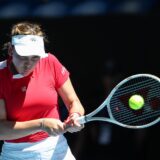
[(28, 61), (27, 64)]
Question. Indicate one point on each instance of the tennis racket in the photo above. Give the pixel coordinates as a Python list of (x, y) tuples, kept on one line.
[(117, 106)]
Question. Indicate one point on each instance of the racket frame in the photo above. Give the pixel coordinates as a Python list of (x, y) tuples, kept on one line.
[(90, 117)]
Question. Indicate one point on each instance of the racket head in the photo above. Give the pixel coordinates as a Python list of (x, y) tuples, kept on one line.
[(146, 85)]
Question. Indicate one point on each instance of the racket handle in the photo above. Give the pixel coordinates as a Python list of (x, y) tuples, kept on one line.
[(81, 119), (66, 126)]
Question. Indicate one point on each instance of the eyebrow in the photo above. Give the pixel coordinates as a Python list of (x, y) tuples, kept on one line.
[(35, 57), (17, 55)]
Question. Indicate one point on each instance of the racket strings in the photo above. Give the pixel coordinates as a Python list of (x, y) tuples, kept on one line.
[(114, 102), (141, 119), (134, 86), (140, 85), (126, 114), (127, 119)]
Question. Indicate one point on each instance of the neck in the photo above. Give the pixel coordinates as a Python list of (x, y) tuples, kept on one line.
[(13, 69)]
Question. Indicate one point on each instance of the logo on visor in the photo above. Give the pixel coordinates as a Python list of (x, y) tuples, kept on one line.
[(33, 39)]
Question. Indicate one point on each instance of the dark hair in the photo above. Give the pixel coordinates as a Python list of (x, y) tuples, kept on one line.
[(27, 28)]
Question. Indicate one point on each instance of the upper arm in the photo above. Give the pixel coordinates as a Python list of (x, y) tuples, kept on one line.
[(2, 110), (67, 93)]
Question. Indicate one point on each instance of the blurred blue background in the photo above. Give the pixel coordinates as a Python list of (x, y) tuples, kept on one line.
[(61, 8), (100, 42)]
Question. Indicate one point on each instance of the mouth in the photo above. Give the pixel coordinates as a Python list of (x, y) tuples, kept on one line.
[(26, 71)]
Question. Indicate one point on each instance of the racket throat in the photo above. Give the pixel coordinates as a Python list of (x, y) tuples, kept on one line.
[(82, 119)]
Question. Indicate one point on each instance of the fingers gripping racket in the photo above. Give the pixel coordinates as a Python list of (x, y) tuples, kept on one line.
[(122, 113)]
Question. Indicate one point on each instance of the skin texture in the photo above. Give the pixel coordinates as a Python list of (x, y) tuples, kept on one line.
[(24, 64)]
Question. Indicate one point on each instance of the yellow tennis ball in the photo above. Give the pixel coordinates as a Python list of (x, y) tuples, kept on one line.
[(136, 102)]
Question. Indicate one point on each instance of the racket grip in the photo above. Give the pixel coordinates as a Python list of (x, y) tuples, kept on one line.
[(81, 120)]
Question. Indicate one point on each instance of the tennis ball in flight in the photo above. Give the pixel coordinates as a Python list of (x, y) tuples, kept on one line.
[(136, 102)]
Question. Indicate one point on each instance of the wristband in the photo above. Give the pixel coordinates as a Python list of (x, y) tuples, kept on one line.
[(71, 115), (75, 113)]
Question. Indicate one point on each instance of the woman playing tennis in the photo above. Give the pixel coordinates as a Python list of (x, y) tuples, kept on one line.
[(30, 83)]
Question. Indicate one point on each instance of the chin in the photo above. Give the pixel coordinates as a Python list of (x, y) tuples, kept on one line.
[(26, 73)]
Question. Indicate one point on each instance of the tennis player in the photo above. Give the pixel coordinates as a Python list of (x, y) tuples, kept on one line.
[(31, 81)]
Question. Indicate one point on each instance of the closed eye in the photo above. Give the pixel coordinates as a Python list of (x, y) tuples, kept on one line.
[(35, 58)]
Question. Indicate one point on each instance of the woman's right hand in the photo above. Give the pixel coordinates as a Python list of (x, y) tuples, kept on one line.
[(52, 126)]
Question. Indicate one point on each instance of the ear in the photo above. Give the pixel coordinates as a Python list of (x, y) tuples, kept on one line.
[(10, 50)]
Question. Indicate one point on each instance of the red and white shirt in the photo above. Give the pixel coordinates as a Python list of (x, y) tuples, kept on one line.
[(34, 96)]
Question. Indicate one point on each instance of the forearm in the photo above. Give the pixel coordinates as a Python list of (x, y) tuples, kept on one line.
[(71, 123), (76, 106), (14, 130)]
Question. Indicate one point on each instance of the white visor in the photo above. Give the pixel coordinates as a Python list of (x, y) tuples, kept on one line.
[(29, 45)]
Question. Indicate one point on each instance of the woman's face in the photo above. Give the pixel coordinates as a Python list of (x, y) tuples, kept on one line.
[(24, 64)]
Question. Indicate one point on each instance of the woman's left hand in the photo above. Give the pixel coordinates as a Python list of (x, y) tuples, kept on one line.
[(71, 124)]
